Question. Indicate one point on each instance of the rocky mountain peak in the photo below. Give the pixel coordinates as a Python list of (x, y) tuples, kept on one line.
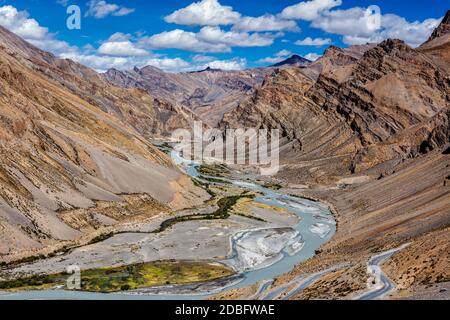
[(390, 45), (443, 28), (294, 60)]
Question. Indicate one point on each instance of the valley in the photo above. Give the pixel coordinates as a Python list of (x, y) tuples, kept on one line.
[(89, 177)]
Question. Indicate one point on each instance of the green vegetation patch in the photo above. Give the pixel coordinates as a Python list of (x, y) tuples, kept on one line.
[(164, 147), (273, 186), (214, 180), (225, 205), (127, 277)]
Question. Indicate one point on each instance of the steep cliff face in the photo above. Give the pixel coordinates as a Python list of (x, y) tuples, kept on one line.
[(74, 157)]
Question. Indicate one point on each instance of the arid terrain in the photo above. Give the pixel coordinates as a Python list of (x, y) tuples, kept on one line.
[(378, 151), (74, 157), (365, 129)]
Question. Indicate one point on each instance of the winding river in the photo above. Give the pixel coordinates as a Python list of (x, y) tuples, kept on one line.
[(316, 227)]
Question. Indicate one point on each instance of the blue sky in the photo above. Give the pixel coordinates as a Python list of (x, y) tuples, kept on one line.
[(183, 35)]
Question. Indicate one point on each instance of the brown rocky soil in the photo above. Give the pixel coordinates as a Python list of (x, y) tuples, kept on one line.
[(74, 156)]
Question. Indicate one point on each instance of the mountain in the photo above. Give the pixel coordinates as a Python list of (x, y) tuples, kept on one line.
[(75, 156), (443, 29), (208, 93), (384, 107), (293, 61), (438, 45), (367, 129)]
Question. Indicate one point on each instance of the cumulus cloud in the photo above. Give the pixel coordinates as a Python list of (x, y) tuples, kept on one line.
[(99, 63), (121, 48), (64, 3), (232, 64), (208, 39), (266, 22), (120, 45), (204, 13), (169, 65), (283, 53), (313, 42), (120, 51), (183, 40), (312, 56), (21, 24), (100, 9), (29, 29), (353, 21), (356, 26), (309, 10)]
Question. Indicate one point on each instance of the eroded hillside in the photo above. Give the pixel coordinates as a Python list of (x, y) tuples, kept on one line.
[(74, 154)]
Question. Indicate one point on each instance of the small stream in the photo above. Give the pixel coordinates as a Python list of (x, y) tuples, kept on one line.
[(316, 227)]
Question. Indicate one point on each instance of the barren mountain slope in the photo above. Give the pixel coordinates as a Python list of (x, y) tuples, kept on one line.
[(148, 115), (208, 93), (384, 107), (395, 102), (70, 162)]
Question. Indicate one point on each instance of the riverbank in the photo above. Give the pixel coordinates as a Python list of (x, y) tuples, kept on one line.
[(281, 221), (375, 215)]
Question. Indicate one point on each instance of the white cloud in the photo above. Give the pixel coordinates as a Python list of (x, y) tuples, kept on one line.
[(283, 53), (20, 23), (208, 39), (204, 13), (313, 42), (309, 10), (120, 45), (119, 36), (121, 49), (169, 65), (353, 21), (414, 33), (123, 12), (312, 56), (30, 30), (236, 39), (267, 22), (100, 63), (183, 40), (64, 3), (232, 64), (202, 58), (356, 27), (100, 9), (270, 60)]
